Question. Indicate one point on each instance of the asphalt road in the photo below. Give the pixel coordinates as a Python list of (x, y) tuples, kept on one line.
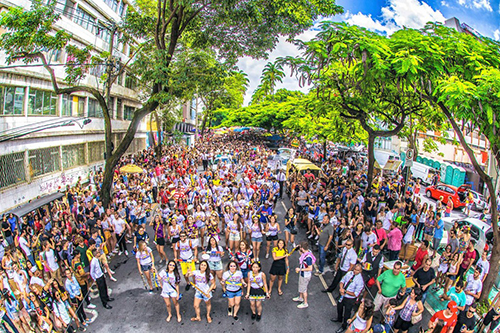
[(135, 310)]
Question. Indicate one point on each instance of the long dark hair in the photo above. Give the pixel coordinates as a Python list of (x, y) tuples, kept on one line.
[(368, 309), (209, 245), (207, 271), (176, 271)]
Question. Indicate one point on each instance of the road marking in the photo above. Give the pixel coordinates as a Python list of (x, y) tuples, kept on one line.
[(284, 207), (323, 282)]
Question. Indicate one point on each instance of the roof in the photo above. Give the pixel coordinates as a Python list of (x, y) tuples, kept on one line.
[(22, 210)]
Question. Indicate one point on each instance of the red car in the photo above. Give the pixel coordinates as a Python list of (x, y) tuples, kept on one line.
[(457, 195)]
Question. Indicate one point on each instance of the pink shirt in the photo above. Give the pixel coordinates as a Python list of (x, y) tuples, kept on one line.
[(394, 239)]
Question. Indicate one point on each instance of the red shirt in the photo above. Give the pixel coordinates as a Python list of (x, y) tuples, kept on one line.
[(419, 258), (381, 235), (448, 322), (469, 257)]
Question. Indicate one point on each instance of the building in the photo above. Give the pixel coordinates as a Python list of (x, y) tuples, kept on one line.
[(64, 134)]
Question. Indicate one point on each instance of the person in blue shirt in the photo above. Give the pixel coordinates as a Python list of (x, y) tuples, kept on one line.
[(12, 221), (456, 294), (438, 233), (265, 211)]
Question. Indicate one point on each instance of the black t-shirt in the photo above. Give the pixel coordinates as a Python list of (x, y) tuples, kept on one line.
[(464, 320), (6, 227), (391, 202), (91, 223), (423, 277)]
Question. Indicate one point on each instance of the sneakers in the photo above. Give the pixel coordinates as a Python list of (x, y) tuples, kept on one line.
[(258, 317), (294, 245), (113, 279), (126, 253), (267, 255), (120, 253), (91, 306), (302, 305), (150, 291), (318, 273), (188, 286), (310, 236), (112, 272), (297, 299)]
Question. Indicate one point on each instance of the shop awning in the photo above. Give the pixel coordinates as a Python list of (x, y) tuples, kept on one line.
[(26, 208)]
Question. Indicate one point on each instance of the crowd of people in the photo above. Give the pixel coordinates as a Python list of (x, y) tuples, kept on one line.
[(205, 216)]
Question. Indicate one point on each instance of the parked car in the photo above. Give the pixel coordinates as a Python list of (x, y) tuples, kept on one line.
[(479, 201), (456, 194), (480, 231)]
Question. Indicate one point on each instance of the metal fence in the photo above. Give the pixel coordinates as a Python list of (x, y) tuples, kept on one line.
[(96, 151), (73, 155), (12, 169), (43, 161)]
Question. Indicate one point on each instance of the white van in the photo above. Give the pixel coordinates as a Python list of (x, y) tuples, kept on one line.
[(423, 172)]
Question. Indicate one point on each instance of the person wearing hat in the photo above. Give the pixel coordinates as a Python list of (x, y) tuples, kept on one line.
[(448, 316)]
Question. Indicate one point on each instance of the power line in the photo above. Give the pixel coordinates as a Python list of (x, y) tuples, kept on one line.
[(51, 65)]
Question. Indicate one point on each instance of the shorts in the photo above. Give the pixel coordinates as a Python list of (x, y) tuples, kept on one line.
[(186, 266), (175, 240), (103, 259), (233, 294), (171, 294), (142, 220), (303, 283), (489, 319), (354, 329), (443, 268), (215, 265), (402, 325), (257, 239), (160, 241), (147, 267), (301, 209), (234, 237), (245, 271), (199, 295), (272, 238)]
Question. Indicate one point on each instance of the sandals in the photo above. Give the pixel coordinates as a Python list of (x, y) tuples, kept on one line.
[(209, 319), (168, 319), (195, 319), (280, 293)]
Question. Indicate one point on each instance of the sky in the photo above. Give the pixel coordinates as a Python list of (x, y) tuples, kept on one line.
[(385, 17)]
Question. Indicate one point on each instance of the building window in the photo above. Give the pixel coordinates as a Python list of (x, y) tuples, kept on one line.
[(11, 100), (12, 169), (42, 102), (95, 109), (86, 20), (67, 105), (128, 112), (96, 151), (81, 106), (73, 156), (130, 82), (69, 8), (43, 161)]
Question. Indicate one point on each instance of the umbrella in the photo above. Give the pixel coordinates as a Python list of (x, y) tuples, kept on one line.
[(131, 168)]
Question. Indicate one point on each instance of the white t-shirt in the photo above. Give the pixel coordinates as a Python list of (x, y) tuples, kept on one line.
[(23, 243), (233, 281), (168, 282), (200, 280), (144, 257), (51, 259), (473, 286), (214, 256), (485, 265), (119, 225)]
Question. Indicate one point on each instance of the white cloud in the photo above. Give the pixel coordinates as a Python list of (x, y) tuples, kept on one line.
[(476, 4), (398, 14), (445, 3), (496, 34)]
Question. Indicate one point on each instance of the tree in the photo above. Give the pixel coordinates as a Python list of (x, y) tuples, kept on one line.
[(168, 27), (355, 71), (271, 75), (459, 75)]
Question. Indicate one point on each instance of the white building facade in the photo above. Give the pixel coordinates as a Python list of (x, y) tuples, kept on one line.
[(71, 143)]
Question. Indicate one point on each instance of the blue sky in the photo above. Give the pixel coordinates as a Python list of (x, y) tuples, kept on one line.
[(385, 17)]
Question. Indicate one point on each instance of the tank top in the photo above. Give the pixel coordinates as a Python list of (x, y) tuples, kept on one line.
[(273, 230), (408, 310), (256, 281), (256, 231), (359, 323)]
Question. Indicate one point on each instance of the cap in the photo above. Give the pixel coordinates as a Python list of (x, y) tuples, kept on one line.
[(379, 328), (452, 305)]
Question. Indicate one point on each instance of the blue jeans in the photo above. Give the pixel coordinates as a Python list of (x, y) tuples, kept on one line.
[(322, 258), (7, 320)]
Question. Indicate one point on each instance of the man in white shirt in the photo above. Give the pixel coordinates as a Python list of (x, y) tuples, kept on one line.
[(344, 264), (120, 229), (98, 276), (473, 287), (484, 263), (350, 288), (281, 179)]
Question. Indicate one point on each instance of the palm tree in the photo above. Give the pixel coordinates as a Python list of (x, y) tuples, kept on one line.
[(271, 75)]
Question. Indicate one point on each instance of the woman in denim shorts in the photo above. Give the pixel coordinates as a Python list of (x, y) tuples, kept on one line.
[(216, 252), (232, 283), (170, 279), (145, 262), (256, 236)]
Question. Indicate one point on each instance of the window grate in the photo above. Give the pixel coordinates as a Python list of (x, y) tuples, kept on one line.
[(12, 169)]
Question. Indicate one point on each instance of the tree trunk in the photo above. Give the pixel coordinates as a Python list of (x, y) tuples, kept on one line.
[(371, 158), (324, 150), (412, 143), (495, 253), (113, 159), (204, 123)]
